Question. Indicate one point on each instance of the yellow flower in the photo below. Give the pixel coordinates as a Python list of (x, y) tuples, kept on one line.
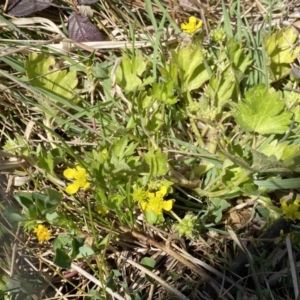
[(191, 26), (291, 211), (156, 202), (42, 233), (80, 175)]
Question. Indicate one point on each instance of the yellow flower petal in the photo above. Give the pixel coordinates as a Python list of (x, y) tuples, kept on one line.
[(37, 229), (192, 20), (86, 186), (168, 205), (70, 173), (191, 26), (291, 210), (80, 177), (81, 171), (162, 192), (150, 195), (144, 205), (72, 188)]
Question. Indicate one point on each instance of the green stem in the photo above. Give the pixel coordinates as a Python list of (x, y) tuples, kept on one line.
[(92, 222), (175, 216), (193, 124), (223, 192)]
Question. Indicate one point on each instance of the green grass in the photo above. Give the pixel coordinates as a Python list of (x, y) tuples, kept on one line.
[(180, 142)]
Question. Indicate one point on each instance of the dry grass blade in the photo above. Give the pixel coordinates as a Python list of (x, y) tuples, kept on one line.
[(89, 277), (293, 267), (36, 22), (250, 260), (166, 249), (8, 165), (169, 288), (206, 266), (33, 45), (67, 45), (11, 162)]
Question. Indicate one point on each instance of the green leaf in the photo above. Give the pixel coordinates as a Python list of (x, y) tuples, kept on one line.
[(45, 162), (113, 280), (232, 173), (17, 145), (13, 283), (115, 202), (13, 215), (95, 295), (282, 52), (219, 205), (264, 163), (24, 199), (155, 119), (33, 213), (262, 111), (129, 72), (101, 196), (100, 70), (62, 259), (152, 218), (135, 295), (169, 72), (116, 273), (47, 203), (48, 159), (221, 86), (235, 159), (232, 65), (157, 161), (119, 165), (43, 73), (145, 101), (240, 61), (124, 147), (148, 263), (85, 251), (52, 216), (282, 151), (191, 68), (292, 102), (105, 241), (278, 183), (164, 92), (77, 243), (61, 241), (120, 146), (53, 197)]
